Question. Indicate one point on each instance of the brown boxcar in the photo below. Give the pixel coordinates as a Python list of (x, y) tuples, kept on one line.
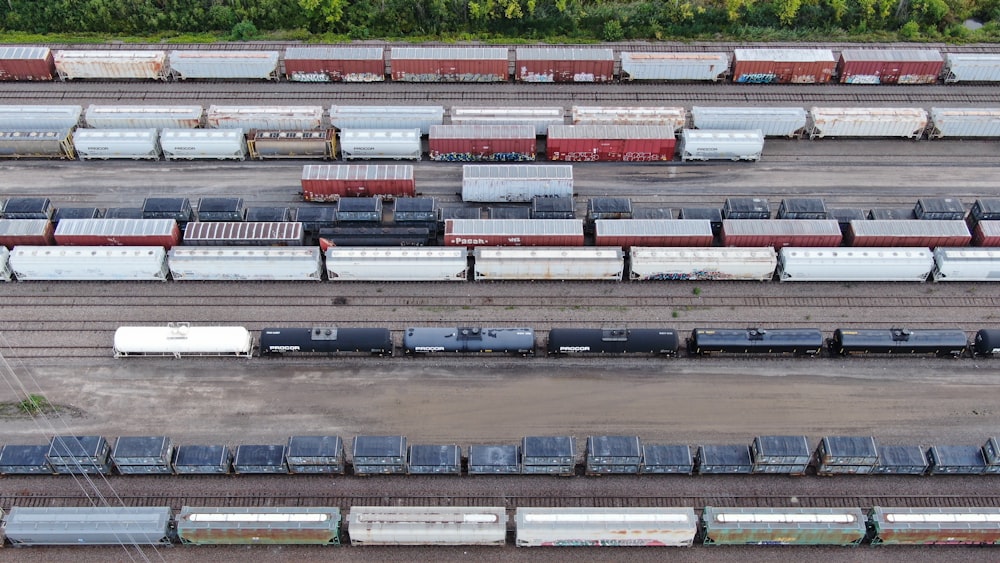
[(622, 143), (889, 66), (27, 232), (564, 64), (773, 66), (513, 232), (986, 233), (653, 232), (26, 63), (781, 232), (330, 182), (908, 232), (118, 232), (449, 64), (471, 143), (335, 64)]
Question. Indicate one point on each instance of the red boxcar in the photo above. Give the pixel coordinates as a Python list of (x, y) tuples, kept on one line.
[(330, 182), (564, 64), (772, 66), (986, 233), (27, 232), (781, 232), (513, 232), (493, 143), (908, 232), (889, 66), (335, 64), (118, 232), (653, 232), (628, 143), (449, 64), (26, 63)]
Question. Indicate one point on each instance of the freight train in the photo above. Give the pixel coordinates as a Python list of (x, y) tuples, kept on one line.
[(181, 339), (154, 526), (527, 64)]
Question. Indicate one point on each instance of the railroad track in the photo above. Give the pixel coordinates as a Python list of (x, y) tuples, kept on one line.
[(511, 502)]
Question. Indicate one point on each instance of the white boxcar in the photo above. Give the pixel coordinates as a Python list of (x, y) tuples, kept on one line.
[(538, 117), (89, 525), (674, 66), (965, 122), (630, 115), (149, 65), (4, 267), (658, 263), (137, 144), (515, 182), (709, 144), (189, 144), (296, 118), (909, 123), (773, 122), (366, 144), (257, 263), (86, 263), (261, 65), (427, 525), (182, 339), (966, 264), (387, 117), (143, 117), (39, 117), (970, 67), (548, 263), (619, 527), (360, 263), (855, 264)]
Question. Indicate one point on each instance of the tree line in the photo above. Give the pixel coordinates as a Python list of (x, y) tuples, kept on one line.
[(509, 20)]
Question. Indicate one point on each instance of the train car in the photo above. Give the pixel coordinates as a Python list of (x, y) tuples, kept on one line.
[(426, 340), (223, 64), (396, 264), (89, 263), (182, 339), (330, 182), (855, 264), (771, 121), (449, 64), (5, 273), (111, 64), (966, 264), (564, 64), (241, 233), (909, 123), (986, 342), (26, 232), (118, 232), (386, 117), (781, 232), (605, 527), (572, 341), (426, 525), (794, 341), (203, 144), (26, 143), (389, 144), (284, 525), (935, 526), (661, 233), (143, 117), (971, 67), (901, 460), (548, 263), (783, 66), (89, 525), (675, 117), (539, 118), (613, 455), (784, 526), (515, 183), (40, 118), (939, 342), (288, 118), (964, 123), (722, 144), (260, 263), (265, 145), (486, 143), (326, 340), (26, 63), (513, 232), (335, 64), (619, 143), (667, 67), (315, 454), (104, 144), (905, 232), (889, 66), (354, 236)]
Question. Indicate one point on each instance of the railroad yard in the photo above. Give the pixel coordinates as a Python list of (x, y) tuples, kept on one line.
[(57, 337)]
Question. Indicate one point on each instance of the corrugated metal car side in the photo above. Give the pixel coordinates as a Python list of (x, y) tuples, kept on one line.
[(335, 64), (798, 66), (26, 63), (908, 233), (513, 232)]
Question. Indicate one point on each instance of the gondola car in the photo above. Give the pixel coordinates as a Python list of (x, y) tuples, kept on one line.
[(794, 341), (565, 341), (425, 340), (326, 340), (943, 342)]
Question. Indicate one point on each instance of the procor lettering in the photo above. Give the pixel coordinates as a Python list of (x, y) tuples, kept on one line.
[(284, 348), (429, 349), (574, 348)]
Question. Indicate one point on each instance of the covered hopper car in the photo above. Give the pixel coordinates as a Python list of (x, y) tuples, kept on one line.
[(326, 340)]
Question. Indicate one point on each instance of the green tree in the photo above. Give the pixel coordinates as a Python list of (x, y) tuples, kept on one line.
[(787, 11), (326, 11), (613, 31)]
